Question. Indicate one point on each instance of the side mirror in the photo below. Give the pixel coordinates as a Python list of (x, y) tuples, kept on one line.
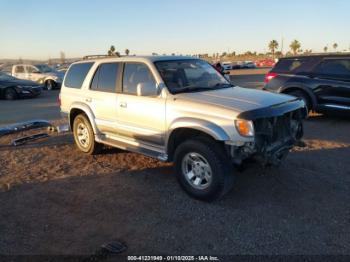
[(146, 89)]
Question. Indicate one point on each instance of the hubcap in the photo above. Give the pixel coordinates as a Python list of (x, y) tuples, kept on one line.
[(83, 135), (197, 170)]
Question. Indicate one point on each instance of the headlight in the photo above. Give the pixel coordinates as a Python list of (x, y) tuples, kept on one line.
[(245, 127)]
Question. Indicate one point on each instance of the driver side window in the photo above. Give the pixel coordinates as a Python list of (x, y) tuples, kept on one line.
[(134, 74)]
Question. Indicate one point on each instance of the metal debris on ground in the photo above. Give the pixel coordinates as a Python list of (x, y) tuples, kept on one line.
[(24, 126), (26, 139), (106, 251)]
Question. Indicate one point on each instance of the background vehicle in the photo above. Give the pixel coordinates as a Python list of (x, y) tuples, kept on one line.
[(322, 81), (248, 65), (40, 73), (180, 110), (12, 88), (268, 62), (227, 66)]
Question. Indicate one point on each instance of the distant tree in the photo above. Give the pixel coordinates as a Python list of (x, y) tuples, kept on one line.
[(20, 60), (112, 51), (295, 46), (325, 49), (154, 54), (224, 54), (49, 62), (127, 51), (173, 54), (273, 45), (335, 46), (62, 57)]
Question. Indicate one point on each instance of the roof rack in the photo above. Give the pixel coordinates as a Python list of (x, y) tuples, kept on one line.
[(98, 56)]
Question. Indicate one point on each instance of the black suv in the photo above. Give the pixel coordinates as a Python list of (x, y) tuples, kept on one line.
[(322, 81)]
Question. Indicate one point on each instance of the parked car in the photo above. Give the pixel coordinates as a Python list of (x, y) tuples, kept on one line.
[(40, 73), (227, 66), (268, 62), (322, 81), (12, 88), (248, 65), (181, 110)]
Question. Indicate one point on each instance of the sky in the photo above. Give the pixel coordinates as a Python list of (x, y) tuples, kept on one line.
[(40, 29)]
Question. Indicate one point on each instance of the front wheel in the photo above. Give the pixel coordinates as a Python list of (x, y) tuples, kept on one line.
[(203, 169), (10, 94)]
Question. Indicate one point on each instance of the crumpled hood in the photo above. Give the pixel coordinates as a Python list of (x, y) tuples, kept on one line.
[(237, 98)]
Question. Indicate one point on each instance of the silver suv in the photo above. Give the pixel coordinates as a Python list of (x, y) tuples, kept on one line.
[(179, 109)]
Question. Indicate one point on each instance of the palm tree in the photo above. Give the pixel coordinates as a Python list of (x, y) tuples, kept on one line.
[(335, 46), (325, 49), (127, 51), (273, 45), (111, 51), (295, 46)]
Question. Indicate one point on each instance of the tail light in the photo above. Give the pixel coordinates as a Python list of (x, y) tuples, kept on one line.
[(269, 77), (59, 100)]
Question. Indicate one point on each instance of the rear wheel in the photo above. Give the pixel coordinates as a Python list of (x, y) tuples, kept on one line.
[(10, 94), (304, 97), (84, 135), (203, 169)]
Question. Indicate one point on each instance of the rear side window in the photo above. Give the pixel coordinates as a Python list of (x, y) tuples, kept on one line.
[(76, 75), (289, 65), (19, 69), (105, 78), (337, 67)]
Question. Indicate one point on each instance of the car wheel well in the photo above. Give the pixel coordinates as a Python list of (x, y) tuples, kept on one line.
[(180, 135), (73, 114), (297, 89)]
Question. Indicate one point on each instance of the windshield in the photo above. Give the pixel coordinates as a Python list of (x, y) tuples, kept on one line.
[(6, 77), (44, 68), (190, 75)]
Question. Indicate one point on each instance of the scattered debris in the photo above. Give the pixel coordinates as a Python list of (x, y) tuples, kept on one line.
[(24, 126), (59, 129), (26, 139), (107, 250)]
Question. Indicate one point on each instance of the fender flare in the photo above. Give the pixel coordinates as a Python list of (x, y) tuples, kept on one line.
[(204, 126), (86, 109), (305, 89)]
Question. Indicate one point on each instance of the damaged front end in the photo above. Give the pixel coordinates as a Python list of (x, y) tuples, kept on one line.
[(277, 130)]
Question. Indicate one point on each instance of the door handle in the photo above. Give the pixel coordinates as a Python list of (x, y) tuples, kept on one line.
[(123, 104), (88, 99)]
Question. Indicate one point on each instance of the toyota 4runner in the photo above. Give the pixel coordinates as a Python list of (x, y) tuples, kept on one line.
[(179, 109)]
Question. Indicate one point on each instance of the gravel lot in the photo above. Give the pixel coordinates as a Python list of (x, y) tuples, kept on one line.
[(55, 200)]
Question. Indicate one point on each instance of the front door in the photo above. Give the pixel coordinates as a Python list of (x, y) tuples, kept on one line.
[(140, 118)]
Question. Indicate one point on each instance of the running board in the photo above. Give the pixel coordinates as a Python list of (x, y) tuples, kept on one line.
[(341, 107), (142, 149)]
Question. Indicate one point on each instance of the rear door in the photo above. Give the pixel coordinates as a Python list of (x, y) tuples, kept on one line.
[(332, 80), (102, 96)]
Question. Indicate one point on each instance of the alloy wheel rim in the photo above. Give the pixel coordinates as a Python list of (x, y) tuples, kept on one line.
[(196, 170), (83, 135)]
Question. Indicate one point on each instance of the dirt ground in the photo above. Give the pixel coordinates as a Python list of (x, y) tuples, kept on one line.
[(54, 200)]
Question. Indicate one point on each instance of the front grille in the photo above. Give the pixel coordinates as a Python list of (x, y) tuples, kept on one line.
[(272, 130)]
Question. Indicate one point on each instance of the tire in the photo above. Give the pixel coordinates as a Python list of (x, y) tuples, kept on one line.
[(10, 94), (304, 97), (50, 84), (84, 135), (203, 169)]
